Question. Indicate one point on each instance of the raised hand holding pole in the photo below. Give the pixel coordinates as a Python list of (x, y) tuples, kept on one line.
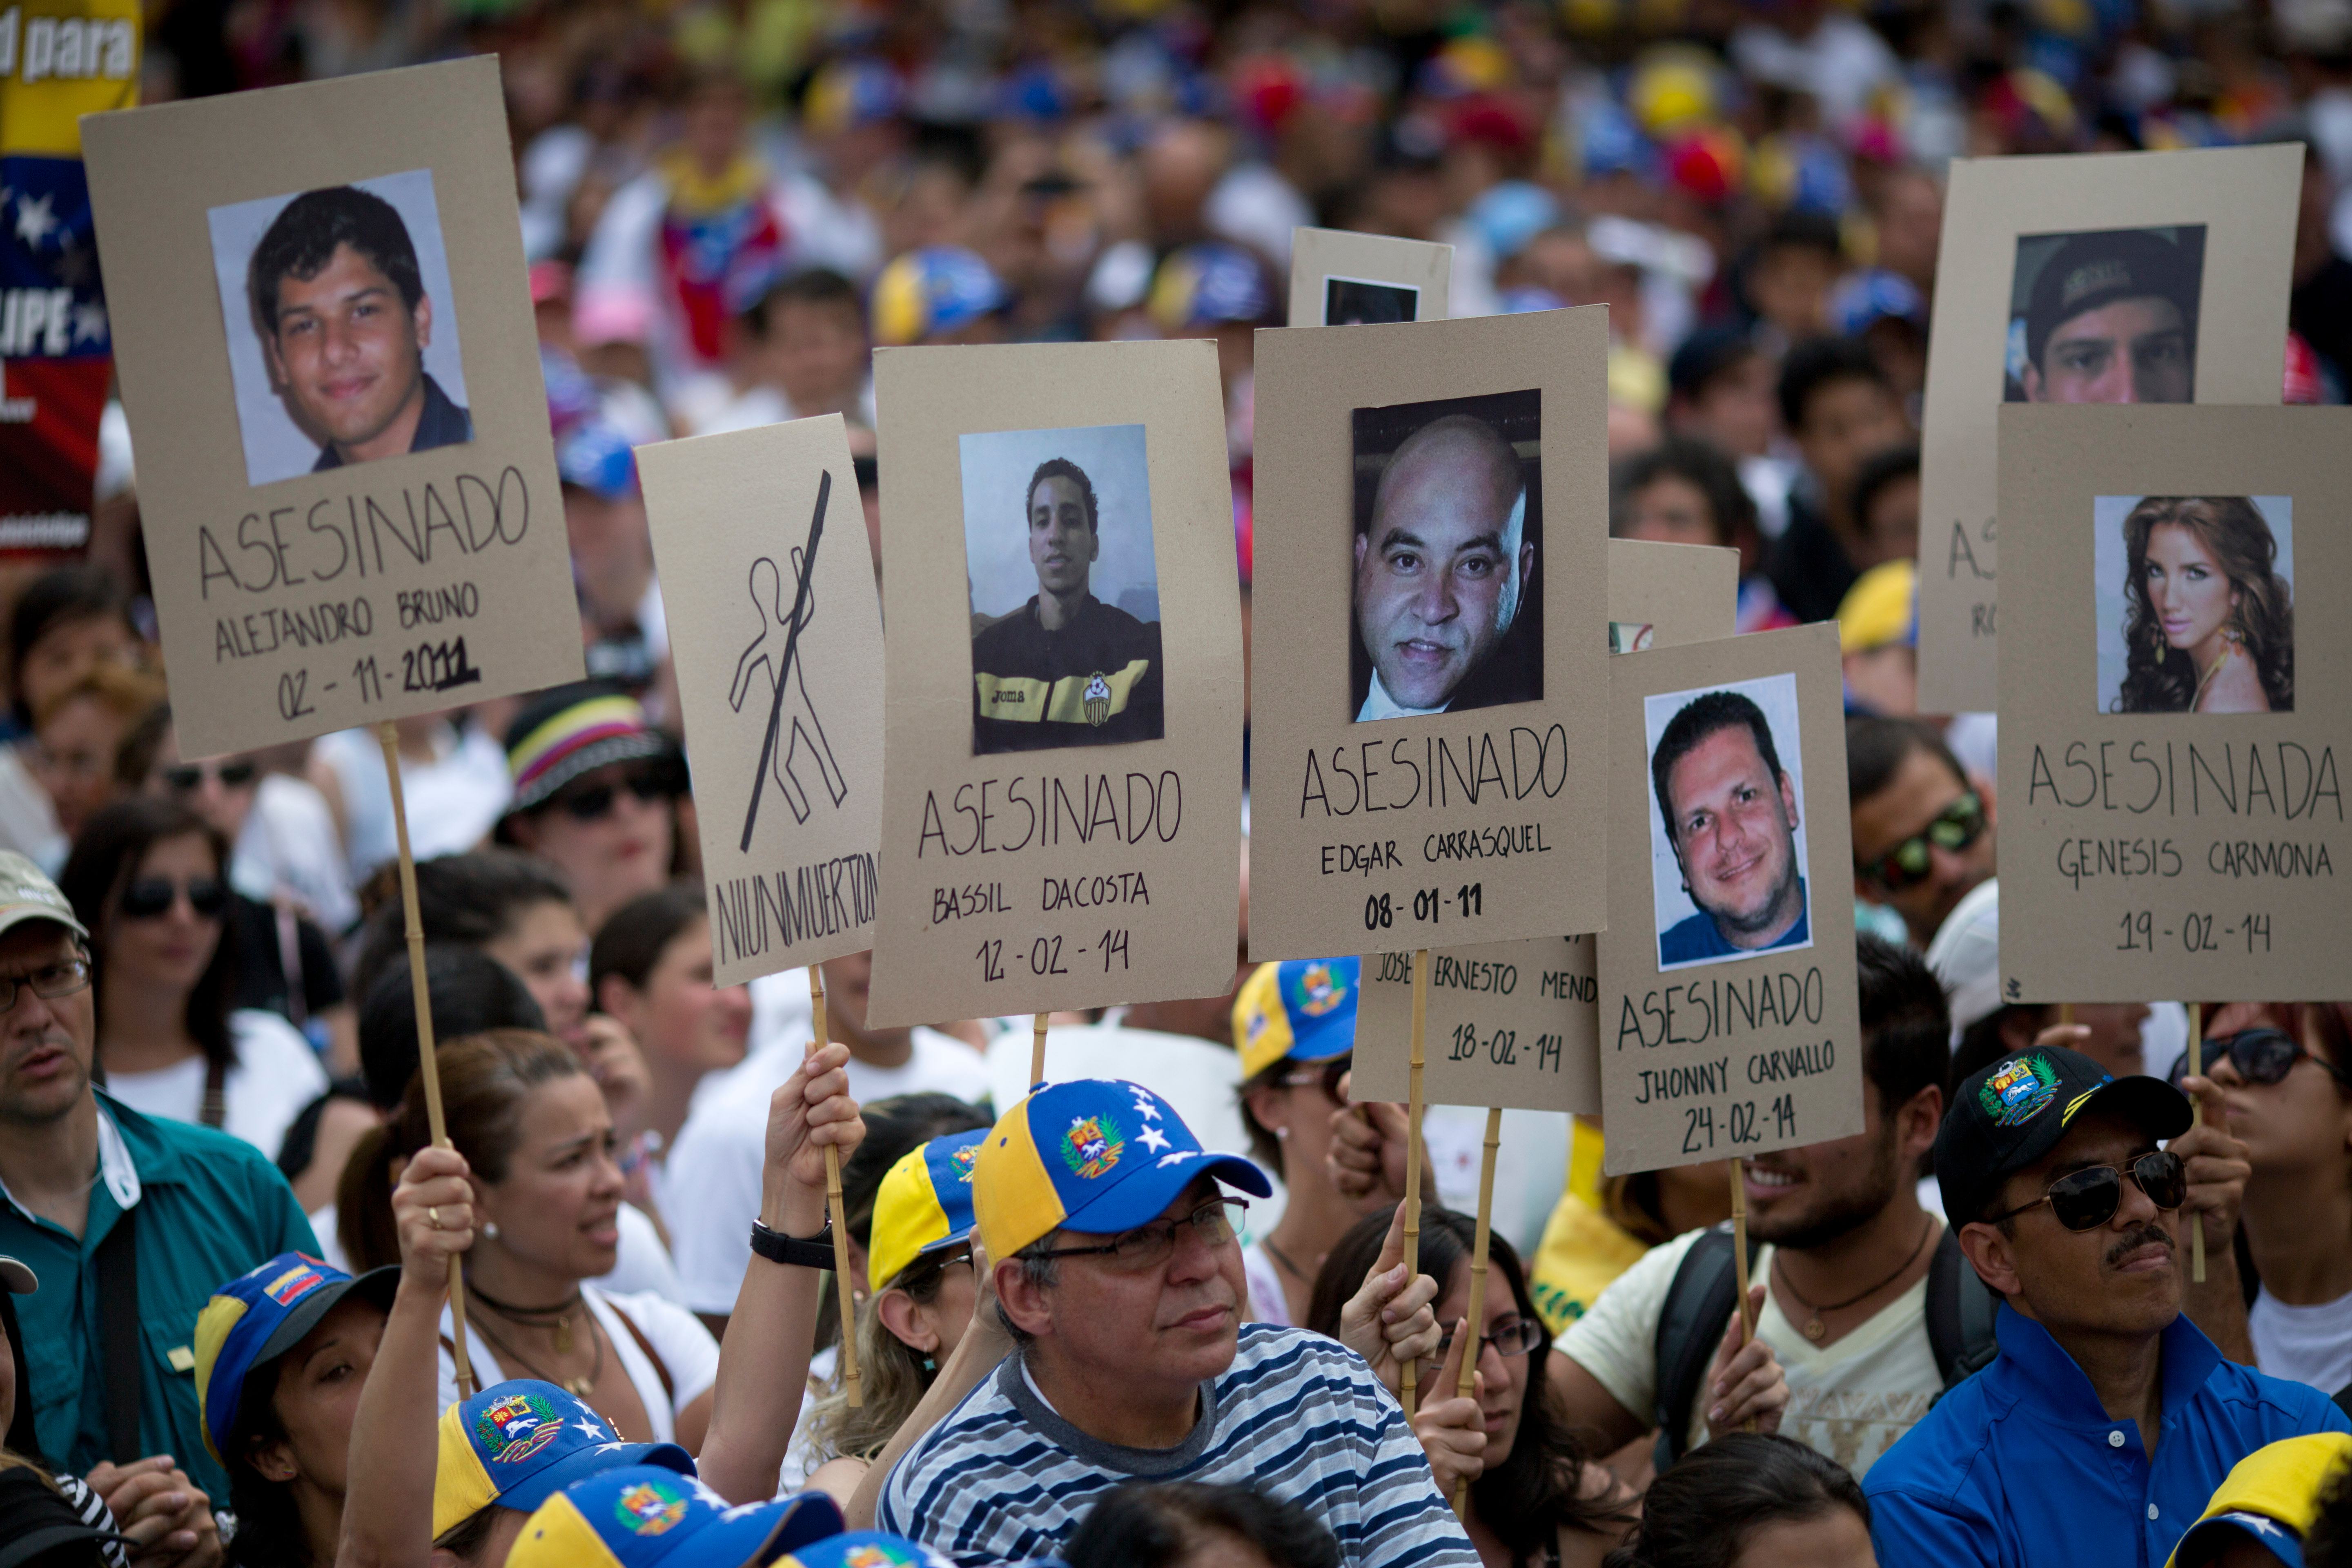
[(836, 1219)]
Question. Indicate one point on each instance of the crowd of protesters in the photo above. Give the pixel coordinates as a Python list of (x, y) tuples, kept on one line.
[(226, 1232)]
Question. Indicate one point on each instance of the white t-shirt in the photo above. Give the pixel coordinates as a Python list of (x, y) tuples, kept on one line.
[(687, 1350), (644, 1265), (276, 1075), (711, 1182), (289, 845), (1267, 1303), (452, 801), (2303, 1344), (1850, 1400)]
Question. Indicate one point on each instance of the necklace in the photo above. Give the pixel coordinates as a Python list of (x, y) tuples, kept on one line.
[(558, 1317), (579, 1388), (1282, 1258), (1814, 1329)]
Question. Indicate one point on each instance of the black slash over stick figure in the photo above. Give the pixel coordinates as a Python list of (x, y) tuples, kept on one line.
[(792, 648)]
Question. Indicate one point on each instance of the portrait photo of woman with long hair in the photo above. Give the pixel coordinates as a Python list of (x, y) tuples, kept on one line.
[(2208, 620)]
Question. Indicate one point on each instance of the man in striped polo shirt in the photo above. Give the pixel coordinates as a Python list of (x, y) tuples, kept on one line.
[(1118, 1271)]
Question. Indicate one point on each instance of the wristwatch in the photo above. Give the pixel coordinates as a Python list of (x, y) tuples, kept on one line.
[(800, 1252)]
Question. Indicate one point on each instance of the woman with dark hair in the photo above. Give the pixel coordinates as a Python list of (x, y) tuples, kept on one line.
[(1685, 492), (1748, 1499), (1536, 1498), (1184, 1525), (2210, 623), (650, 970), (148, 879), (65, 624)]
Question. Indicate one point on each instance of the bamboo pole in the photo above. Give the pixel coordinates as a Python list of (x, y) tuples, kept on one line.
[(1037, 1050), (1412, 1370), (2065, 1011), (2197, 1118), (836, 1220), (1740, 1258), (1476, 1324), (388, 736)]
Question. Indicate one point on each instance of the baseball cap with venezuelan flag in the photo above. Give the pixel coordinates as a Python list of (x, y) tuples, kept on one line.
[(1302, 1009), (2270, 1498), (938, 288), (1099, 1155), (642, 1516), (518, 1443), (924, 1205), (260, 1316), (572, 731)]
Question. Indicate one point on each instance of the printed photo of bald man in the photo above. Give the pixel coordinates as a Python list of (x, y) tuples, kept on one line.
[(1447, 611)]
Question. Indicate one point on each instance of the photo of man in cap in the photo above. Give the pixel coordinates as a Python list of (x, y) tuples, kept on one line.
[(2110, 317)]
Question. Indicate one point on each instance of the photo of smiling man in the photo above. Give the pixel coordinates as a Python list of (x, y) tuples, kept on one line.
[(2107, 317), (1448, 520), (342, 342), (1065, 592), (1728, 848)]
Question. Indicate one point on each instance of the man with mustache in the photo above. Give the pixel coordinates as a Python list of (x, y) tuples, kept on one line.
[(1730, 811), (1064, 669), (1116, 1271), (2108, 1419), (1441, 573)]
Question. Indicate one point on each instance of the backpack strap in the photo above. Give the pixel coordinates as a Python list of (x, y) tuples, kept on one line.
[(117, 1267), (1960, 1314), (661, 1369), (213, 1111), (1690, 1327)]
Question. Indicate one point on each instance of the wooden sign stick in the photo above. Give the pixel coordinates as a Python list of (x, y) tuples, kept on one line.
[(1475, 1327), (836, 1220), (1739, 1257), (2196, 1118), (1412, 1370), (388, 736), (2065, 1011), (1037, 1050)]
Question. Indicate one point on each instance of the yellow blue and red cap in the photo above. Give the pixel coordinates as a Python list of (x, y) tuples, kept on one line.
[(1206, 285), (642, 1516), (936, 290), (571, 730), (1302, 1009), (1098, 1155), (2271, 1497), (924, 1204), (260, 1316), (518, 1443), (868, 1549)]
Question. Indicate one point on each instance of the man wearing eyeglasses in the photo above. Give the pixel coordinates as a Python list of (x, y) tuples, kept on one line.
[(2108, 1419), (1923, 830), (129, 1220), (1117, 1272)]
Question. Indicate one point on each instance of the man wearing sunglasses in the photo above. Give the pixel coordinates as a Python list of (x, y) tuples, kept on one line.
[(1922, 831), (2108, 1419), (1117, 1268)]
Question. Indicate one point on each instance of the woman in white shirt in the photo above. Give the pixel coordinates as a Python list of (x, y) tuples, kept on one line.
[(149, 879), (536, 1134)]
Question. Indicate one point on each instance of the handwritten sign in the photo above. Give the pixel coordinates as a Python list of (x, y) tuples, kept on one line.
[(1062, 786), (2069, 280), (1339, 277), (328, 363), (777, 640), (1728, 1021), (1430, 594), (1516, 1023), (2178, 684)]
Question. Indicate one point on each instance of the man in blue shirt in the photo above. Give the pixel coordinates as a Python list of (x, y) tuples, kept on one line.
[(77, 1171), (2109, 1418), (1730, 811)]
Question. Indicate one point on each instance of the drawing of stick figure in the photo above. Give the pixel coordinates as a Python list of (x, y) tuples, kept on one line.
[(787, 680)]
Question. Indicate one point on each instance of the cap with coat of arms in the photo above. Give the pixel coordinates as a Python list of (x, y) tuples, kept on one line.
[(1099, 1155), (1302, 1009), (2013, 1112), (518, 1443), (2270, 1498), (924, 1204), (867, 1549), (260, 1316), (641, 1516)]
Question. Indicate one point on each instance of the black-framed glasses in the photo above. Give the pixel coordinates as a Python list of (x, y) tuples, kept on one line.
[(60, 979), (186, 778), (2088, 1198), (2261, 1056), (1325, 1076), (150, 897), (1514, 1336), (1214, 1223), (595, 802), (1956, 828)]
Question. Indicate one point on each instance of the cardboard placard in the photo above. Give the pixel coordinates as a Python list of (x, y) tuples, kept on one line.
[(1514, 1023), (2228, 216), (776, 638), (1432, 505), (2177, 678), (1061, 805), (1726, 1029), (1339, 277), (307, 581)]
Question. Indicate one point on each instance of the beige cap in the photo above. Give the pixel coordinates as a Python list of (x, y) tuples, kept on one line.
[(27, 894)]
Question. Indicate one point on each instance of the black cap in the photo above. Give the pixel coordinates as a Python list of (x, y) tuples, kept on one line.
[(2015, 1111), (1706, 354), (2094, 270)]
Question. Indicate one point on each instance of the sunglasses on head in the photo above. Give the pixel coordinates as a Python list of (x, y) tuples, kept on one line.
[(1325, 1076), (1906, 865), (150, 898), (2262, 1056), (186, 778), (2087, 1199), (596, 800)]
